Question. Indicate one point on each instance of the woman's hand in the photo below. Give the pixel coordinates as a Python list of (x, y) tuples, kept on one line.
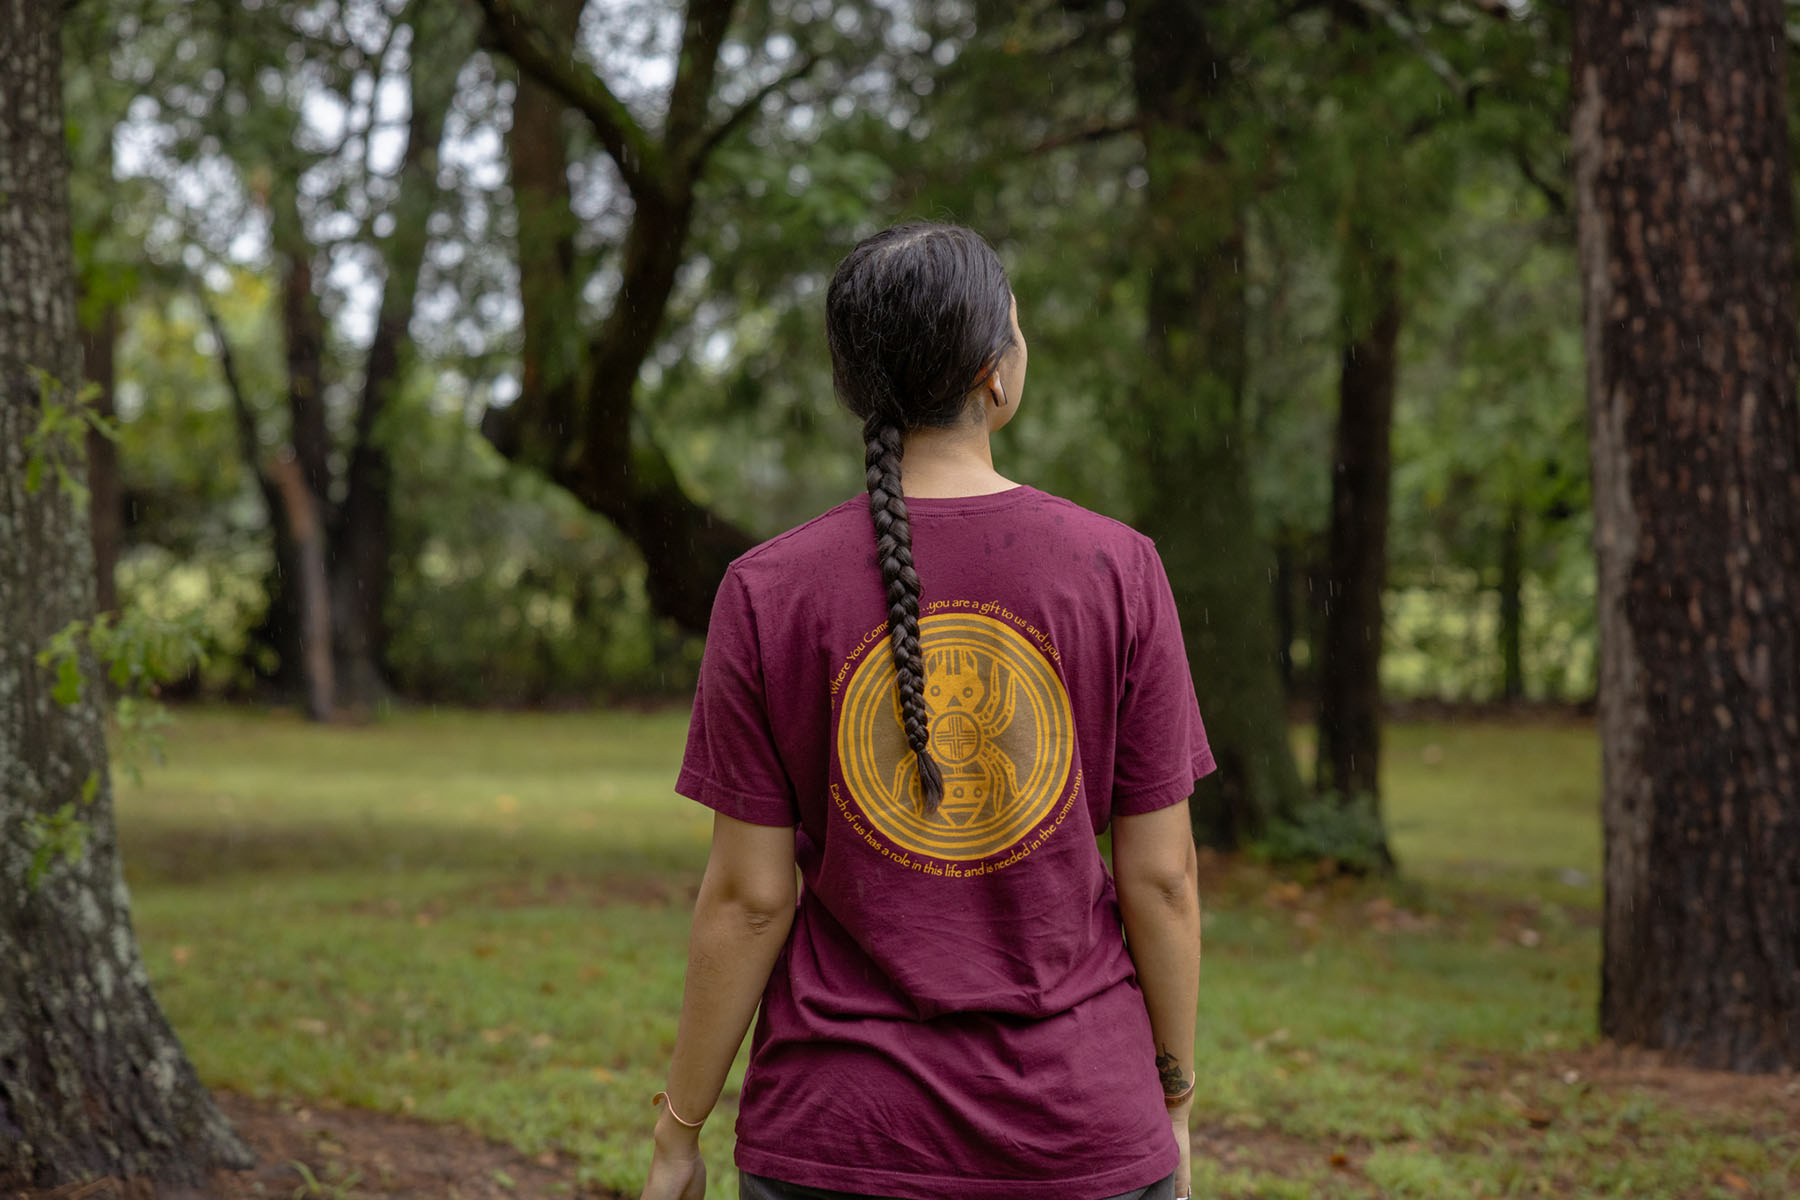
[(676, 1171), (1178, 1124)]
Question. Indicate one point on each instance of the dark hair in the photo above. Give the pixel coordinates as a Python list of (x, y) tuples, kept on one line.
[(915, 316)]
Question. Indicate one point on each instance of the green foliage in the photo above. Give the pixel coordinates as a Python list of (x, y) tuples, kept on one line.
[(138, 650), (60, 834), (1438, 142), (57, 443), (137, 653), (1328, 830), (505, 590)]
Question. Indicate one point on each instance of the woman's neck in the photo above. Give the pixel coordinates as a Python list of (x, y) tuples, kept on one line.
[(950, 462)]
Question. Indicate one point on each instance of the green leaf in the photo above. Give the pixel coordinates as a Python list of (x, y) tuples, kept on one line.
[(68, 681)]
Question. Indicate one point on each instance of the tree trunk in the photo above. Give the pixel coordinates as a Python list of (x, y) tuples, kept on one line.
[(1512, 605), (303, 331), (1686, 229), (361, 537), (281, 625), (1195, 498), (1286, 627), (550, 360), (310, 586), (575, 419), (1350, 651), (284, 625), (106, 499), (92, 1080)]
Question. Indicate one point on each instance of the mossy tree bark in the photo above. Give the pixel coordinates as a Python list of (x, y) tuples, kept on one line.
[(92, 1080), (1686, 230), (1189, 432)]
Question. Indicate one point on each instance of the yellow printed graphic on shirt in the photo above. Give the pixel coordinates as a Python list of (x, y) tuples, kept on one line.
[(1001, 730)]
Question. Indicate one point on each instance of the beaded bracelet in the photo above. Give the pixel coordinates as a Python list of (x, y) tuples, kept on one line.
[(663, 1098)]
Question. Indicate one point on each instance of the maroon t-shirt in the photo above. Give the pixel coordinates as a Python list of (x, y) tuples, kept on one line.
[(955, 1012)]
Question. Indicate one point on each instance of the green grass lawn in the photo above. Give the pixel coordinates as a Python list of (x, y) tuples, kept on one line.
[(481, 919)]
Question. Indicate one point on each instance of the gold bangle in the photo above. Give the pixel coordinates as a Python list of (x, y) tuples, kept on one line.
[(663, 1099), (1180, 1097)]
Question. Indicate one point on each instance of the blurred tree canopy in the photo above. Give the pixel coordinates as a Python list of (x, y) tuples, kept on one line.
[(530, 294)]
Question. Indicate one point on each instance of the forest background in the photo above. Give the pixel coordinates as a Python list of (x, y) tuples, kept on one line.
[(260, 166), (442, 354)]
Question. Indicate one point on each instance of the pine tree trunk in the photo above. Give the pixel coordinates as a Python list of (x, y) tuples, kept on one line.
[(92, 1080), (1362, 465), (1686, 224), (1189, 438)]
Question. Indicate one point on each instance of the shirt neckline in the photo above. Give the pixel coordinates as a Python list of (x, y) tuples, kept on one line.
[(966, 504)]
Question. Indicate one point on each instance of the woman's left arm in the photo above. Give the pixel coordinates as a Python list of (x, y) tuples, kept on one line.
[(741, 921)]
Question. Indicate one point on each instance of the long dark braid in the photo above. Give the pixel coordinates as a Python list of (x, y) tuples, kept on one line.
[(916, 316), (893, 549)]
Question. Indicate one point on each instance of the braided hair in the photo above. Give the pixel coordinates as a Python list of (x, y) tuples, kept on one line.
[(915, 316)]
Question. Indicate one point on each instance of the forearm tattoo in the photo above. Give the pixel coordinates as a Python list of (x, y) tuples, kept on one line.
[(1169, 1067)]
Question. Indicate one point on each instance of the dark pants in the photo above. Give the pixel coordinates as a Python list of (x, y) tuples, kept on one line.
[(757, 1187)]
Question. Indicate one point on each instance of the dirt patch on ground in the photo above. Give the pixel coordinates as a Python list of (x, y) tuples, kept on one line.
[(311, 1151), (351, 1154), (1274, 1152), (1754, 1101)]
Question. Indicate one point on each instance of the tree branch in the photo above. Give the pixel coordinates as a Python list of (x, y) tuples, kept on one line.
[(742, 112), (1088, 133), (244, 420), (638, 156), (1553, 195), (1409, 33), (703, 32)]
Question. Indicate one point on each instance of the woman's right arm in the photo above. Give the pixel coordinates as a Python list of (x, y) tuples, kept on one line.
[(1155, 872)]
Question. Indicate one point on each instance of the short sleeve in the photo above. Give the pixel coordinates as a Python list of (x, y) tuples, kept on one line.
[(1161, 744), (731, 763)]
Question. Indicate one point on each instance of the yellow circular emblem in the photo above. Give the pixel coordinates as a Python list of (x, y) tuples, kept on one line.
[(1001, 730)]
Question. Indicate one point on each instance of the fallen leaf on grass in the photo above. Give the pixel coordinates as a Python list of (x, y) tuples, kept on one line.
[(311, 1025), (181, 955), (1340, 1160), (1537, 1118), (1736, 1183)]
